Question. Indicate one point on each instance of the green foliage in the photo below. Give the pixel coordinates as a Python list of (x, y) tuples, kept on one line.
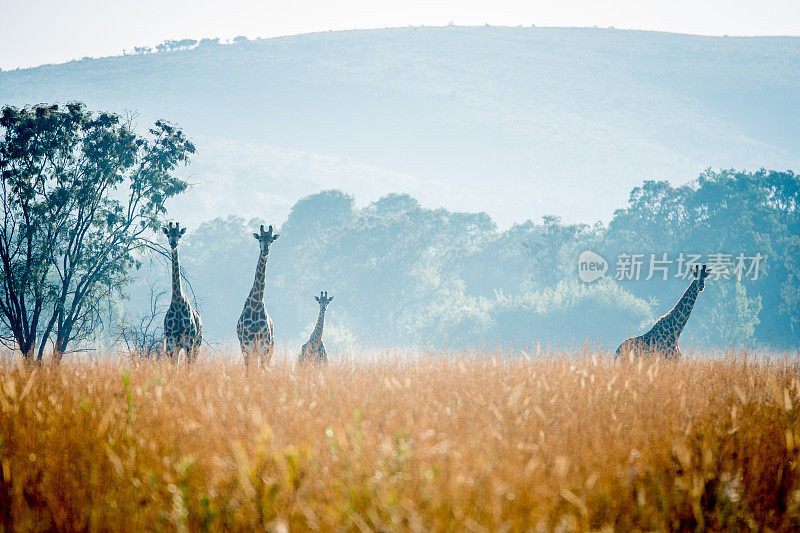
[(554, 247), (407, 275), (80, 193), (727, 211), (410, 276), (219, 258), (790, 289), (569, 313), (402, 275), (725, 316)]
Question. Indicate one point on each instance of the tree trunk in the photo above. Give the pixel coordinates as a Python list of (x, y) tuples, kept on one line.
[(59, 348), (28, 349)]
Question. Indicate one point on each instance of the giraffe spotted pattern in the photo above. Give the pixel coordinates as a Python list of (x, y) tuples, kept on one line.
[(254, 328), (183, 328), (662, 339), (314, 351)]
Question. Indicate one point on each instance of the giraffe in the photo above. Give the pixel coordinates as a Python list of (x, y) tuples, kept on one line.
[(662, 339), (314, 350), (255, 329), (183, 328)]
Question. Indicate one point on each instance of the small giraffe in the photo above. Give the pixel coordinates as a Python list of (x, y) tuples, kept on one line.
[(183, 328), (255, 329), (314, 350), (662, 339)]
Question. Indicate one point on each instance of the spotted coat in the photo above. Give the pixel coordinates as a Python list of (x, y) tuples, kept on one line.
[(662, 339), (183, 328), (314, 350), (255, 329)]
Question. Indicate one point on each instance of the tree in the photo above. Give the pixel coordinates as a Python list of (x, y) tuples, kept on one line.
[(222, 256), (790, 290), (313, 214), (80, 194), (172, 45), (554, 247), (726, 316), (143, 335), (206, 43), (568, 314), (727, 212)]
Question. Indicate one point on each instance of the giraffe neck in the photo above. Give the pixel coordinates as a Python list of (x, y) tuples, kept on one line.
[(177, 289), (677, 317), (257, 292), (316, 335)]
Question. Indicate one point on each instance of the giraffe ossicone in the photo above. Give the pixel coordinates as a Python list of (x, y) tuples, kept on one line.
[(314, 350), (183, 328), (662, 339), (255, 329)]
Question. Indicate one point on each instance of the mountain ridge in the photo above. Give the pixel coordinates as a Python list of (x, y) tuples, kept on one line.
[(518, 122)]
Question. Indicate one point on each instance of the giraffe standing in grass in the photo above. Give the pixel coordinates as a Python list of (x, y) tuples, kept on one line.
[(314, 351), (255, 329), (183, 328), (662, 339)]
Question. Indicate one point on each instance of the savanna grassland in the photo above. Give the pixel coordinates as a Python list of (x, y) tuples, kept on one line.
[(469, 443)]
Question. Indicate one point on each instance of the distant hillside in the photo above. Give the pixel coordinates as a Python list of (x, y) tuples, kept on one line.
[(518, 122)]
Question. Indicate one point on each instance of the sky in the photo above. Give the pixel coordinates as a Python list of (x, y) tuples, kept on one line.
[(38, 32)]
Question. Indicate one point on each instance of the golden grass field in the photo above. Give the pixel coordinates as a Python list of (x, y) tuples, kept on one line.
[(469, 443)]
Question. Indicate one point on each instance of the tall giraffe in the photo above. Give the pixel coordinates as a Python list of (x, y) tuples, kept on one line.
[(183, 328), (314, 350), (255, 329), (662, 339)]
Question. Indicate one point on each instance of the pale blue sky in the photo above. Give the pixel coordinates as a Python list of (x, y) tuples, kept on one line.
[(54, 31)]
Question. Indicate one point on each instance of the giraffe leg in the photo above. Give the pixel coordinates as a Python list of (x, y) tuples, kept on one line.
[(268, 353), (197, 340), (187, 350), (246, 356), (192, 351), (261, 349), (672, 353), (170, 345), (257, 355)]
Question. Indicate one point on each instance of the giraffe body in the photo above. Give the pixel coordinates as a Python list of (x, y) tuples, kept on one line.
[(314, 350), (256, 333), (183, 328), (255, 329), (662, 339)]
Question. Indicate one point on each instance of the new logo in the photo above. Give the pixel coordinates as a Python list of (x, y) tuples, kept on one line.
[(591, 266)]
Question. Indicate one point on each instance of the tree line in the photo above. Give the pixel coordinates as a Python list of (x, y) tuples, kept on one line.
[(407, 275), (82, 195)]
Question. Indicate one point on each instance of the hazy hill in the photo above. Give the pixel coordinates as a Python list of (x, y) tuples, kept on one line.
[(517, 122)]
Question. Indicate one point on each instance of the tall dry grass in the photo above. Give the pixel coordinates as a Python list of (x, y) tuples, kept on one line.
[(469, 443)]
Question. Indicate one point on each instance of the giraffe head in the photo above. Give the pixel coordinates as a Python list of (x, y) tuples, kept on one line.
[(700, 275), (173, 233), (266, 238), (323, 299)]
